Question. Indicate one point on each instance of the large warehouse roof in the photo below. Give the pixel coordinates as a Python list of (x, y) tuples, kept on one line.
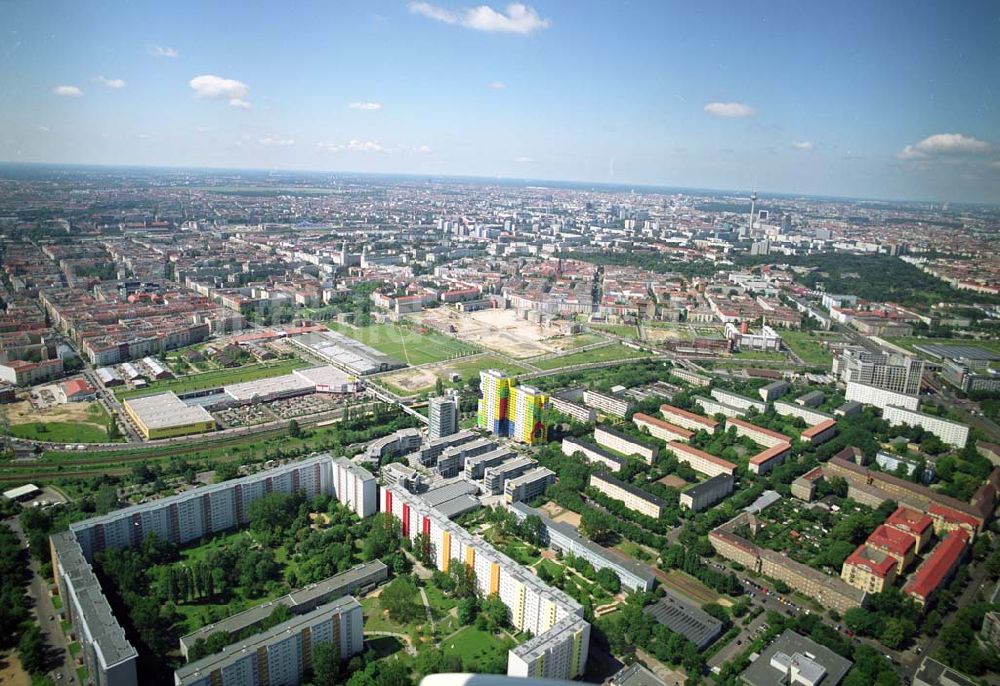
[(165, 410)]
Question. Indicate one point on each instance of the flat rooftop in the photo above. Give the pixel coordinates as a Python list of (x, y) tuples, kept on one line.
[(685, 618), (165, 410), (762, 673)]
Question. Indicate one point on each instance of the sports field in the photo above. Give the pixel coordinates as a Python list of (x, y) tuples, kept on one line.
[(405, 343), (213, 379), (605, 354)]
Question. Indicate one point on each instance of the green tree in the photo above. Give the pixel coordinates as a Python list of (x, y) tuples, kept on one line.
[(398, 599), (608, 580), (31, 650), (495, 612), (326, 665), (294, 430), (468, 609)]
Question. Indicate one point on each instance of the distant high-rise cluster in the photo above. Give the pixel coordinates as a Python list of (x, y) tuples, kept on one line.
[(507, 409)]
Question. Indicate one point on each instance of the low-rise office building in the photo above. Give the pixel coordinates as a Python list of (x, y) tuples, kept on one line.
[(625, 444), (529, 485), (475, 467), (495, 478), (706, 494), (795, 659), (934, 673), (632, 497)]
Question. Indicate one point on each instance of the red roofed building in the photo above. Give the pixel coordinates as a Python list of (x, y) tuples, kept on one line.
[(869, 569), (820, 433), (946, 519), (78, 390), (914, 523), (938, 567), (700, 461), (768, 459), (687, 420), (894, 543)]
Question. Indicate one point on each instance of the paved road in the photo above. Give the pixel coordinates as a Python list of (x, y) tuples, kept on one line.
[(45, 611), (739, 642)]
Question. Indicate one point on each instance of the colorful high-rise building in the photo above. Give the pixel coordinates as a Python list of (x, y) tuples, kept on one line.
[(507, 409)]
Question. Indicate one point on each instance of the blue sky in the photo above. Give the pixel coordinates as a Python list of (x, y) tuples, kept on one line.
[(871, 99)]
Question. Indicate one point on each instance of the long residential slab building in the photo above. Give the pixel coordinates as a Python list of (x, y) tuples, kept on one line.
[(561, 635)]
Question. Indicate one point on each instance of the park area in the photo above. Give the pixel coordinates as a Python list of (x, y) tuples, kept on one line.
[(808, 345), (215, 379), (63, 423), (405, 343)]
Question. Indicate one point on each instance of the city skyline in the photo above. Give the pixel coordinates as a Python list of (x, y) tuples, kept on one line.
[(886, 102)]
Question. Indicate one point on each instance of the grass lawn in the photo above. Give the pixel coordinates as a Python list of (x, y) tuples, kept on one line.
[(376, 618), (473, 645), (807, 347), (759, 355), (469, 369), (405, 344), (909, 342), (575, 341), (617, 330), (57, 602), (61, 432), (634, 551), (611, 352), (213, 379), (74, 648)]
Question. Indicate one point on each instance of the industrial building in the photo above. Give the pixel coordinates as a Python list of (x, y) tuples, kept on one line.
[(686, 619), (164, 415), (346, 353)]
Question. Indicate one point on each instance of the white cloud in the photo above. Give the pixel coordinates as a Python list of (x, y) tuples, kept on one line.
[(159, 51), (945, 144), (43, 129), (729, 110), (274, 140), (353, 146), (367, 106), (517, 18), (497, 85), (115, 84), (218, 88), (524, 160), (67, 91), (803, 145)]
